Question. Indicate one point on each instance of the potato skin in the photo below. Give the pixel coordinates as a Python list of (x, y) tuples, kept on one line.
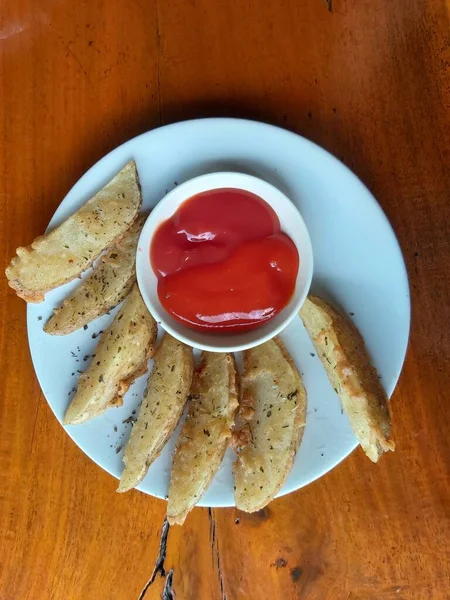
[(342, 351), (120, 357), (162, 406), (273, 413), (204, 437), (63, 254), (109, 283)]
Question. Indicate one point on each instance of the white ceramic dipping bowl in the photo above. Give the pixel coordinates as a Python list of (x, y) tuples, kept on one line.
[(291, 223)]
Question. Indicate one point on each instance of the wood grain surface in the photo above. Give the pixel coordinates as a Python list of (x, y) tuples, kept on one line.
[(368, 80)]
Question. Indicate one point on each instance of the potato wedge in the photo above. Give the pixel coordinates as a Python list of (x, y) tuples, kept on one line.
[(344, 356), (204, 437), (109, 283), (162, 406), (273, 401), (68, 250), (120, 357)]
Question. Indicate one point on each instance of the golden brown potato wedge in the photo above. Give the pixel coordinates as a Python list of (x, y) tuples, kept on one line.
[(68, 250), (111, 280), (120, 357), (273, 401), (204, 437), (344, 356), (162, 406)]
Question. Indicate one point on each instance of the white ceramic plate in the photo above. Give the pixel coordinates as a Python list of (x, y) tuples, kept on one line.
[(358, 264)]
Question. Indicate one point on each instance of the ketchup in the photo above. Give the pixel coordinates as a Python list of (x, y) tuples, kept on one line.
[(222, 262)]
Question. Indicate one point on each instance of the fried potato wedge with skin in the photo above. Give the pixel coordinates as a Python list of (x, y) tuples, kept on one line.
[(273, 398), (111, 280), (204, 437), (344, 356), (161, 409), (68, 250), (120, 357)]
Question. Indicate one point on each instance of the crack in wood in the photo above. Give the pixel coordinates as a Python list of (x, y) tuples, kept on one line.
[(330, 5), (159, 569), (212, 528), (216, 554), (168, 593), (41, 396)]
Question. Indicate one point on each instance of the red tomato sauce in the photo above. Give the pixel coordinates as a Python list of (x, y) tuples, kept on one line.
[(222, 262)]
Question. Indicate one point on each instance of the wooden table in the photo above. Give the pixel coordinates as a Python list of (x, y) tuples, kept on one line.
[(369, 81)]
